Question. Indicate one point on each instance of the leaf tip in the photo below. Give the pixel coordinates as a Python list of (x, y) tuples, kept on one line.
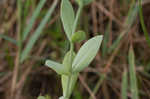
[(46, 62)]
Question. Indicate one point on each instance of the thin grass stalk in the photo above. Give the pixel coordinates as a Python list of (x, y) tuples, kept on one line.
[(17, 60), (33, 19), (147, 36), (8, 39), (37, 32), (124, 89)]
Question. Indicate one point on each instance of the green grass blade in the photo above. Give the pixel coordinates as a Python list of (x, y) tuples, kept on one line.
[(132, 72), (26, 11), (124, 86), (128, 23), (37, 33), (26, 8), (8, 39), (105, 41), (147, 36), (33, 19), (133, 12)]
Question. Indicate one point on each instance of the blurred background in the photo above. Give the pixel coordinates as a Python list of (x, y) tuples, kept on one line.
[(121, 68)]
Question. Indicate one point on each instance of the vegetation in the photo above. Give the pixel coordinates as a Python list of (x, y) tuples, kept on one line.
[(33, 33)]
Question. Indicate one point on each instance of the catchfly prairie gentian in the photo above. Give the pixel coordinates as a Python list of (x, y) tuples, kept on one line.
[(74, 63)]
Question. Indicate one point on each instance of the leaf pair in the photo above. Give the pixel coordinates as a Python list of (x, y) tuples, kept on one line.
[(69, 22), (83, 58)]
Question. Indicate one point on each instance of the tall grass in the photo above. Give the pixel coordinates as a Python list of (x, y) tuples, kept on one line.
[(37, 32), (22, 36)]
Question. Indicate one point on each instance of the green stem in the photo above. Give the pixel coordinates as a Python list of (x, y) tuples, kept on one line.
[(71, 55), (143, 24), (71, 51), (70, 68), (67, 91), (77, 18), (19, 42), (19, 25)]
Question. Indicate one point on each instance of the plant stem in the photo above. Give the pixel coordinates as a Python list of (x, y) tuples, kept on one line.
[(77, 18), (68, 85), (17, 60), (71, 55), (142, 23), (70, 68), (71, 52)]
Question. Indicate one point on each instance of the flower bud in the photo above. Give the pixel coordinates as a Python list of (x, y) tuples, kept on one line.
[(78, 36)]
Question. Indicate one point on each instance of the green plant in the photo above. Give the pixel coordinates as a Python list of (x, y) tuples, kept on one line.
[(72, 63)]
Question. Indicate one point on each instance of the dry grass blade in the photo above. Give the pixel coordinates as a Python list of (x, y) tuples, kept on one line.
[(128, 24), (87, 88)]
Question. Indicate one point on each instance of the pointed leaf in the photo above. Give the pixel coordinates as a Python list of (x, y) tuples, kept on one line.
[(59, 68), (86, 53), (67, 17), (105, 41), (132, 73)]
